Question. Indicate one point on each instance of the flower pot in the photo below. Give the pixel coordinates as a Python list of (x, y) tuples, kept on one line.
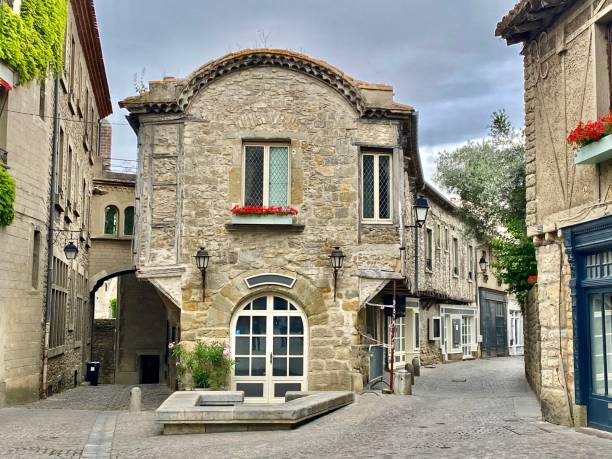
[(262, 219), (595, 152)]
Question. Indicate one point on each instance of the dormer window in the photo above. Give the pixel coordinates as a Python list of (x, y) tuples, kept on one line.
[(266, 175), (376, 187)]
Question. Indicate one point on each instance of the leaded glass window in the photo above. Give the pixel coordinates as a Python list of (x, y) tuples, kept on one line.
[(266, 175), (111, 217), (376, 181), (128, 221), (599, 265)]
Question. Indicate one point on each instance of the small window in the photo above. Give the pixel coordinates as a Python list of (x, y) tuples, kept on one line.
[(376, 187), (455, 257), (438, 236), (434, 329), (111, 220), (429, 249), (471, 262), (60, 163), (35, 258), (446, 238), (266, 175), (69, 175), (128, 221)]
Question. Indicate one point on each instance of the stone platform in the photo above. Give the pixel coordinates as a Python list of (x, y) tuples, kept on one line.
[(224, 411)]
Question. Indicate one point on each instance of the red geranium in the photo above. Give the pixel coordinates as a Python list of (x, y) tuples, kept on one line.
[(264, 210), (591, 131)]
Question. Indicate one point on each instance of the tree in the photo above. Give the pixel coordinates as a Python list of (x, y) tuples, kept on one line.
[(489, 177)]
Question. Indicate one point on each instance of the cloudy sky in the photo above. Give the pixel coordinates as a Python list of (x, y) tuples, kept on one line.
[(440, 56)]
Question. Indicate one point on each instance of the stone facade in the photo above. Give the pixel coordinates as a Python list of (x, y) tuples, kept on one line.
[(28, 367), (191, 176), (567, 80)]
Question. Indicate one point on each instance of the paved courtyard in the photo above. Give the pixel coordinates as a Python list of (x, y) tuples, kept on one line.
[(481, 408)]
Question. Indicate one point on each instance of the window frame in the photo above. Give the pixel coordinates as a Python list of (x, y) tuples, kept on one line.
[(429, 249), (266, 170), (376, 220), (117, 223), (125, 220), (455, 257), (470, 270)]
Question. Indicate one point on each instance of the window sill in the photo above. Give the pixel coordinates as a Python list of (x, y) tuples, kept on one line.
[(54, 352), (264, 219), (290, 228), (384, 224)]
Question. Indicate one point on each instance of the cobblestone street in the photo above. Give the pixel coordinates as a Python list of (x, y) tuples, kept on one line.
[(481, 408)]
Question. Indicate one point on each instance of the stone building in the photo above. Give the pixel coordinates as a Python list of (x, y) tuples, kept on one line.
[(132, 346), (274, 128), (37, 359), (566, 49)]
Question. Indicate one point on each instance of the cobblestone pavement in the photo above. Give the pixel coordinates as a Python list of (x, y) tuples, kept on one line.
[(481, 408)]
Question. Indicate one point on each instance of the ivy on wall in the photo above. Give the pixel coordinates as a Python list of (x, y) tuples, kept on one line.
[(7, 197), (32, 42)]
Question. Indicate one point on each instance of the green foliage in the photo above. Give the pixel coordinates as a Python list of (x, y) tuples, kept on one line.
[(515, 261), (113, 306), (208, 363), (7, 197), (33, 41), (489, 177)]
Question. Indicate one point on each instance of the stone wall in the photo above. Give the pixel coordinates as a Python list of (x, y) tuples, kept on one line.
[(103, 349), (532, 336), (192, 176)]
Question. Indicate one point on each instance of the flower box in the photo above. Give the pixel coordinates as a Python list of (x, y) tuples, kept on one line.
[(262, 219), (595, 152)]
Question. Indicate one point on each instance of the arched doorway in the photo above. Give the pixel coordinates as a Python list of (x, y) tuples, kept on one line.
[(270, 346)]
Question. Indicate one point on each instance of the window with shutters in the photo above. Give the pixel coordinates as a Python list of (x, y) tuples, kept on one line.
[(266, 175), (376, 186), (59, 302)]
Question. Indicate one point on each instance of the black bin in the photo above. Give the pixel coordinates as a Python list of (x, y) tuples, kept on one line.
[(93, 372)]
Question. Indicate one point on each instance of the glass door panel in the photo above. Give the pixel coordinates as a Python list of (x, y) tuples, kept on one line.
[(598, 384), (466, 336), (456, 332), (608, 332)]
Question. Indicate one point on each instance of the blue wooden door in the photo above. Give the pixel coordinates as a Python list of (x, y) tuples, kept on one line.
[(599, 302)]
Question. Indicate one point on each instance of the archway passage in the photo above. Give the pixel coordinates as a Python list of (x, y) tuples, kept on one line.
[(270, 346)]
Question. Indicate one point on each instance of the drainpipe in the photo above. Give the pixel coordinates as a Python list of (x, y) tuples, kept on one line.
[(49, 298)]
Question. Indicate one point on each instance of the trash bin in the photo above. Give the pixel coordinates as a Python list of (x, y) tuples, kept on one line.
[(401, 383), (93, 372)]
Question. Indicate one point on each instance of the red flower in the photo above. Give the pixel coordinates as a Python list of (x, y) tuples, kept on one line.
[(590, 132), (532, 279), (264, 210)]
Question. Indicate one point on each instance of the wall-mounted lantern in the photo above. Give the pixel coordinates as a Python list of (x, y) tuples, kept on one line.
[(421, 208), (202, 258), (71, 251), (337, 260), (482, 263)]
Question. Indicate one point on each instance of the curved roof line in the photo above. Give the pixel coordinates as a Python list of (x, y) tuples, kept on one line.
[(346, 86)]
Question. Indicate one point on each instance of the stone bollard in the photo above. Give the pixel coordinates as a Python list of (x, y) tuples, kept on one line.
[(416, 364), (402, 384), (410, 369), (135, 400)]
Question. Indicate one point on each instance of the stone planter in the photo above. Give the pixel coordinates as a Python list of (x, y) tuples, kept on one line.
[(595, 152), (262, 219)]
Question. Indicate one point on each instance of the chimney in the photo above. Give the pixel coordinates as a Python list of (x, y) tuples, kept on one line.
[(106, 135)]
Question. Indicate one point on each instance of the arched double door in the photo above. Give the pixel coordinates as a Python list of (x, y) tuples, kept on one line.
[(270, 347)]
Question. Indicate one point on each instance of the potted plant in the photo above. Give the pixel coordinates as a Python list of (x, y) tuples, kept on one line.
[(258, 215), (593, 140), (205, 366)]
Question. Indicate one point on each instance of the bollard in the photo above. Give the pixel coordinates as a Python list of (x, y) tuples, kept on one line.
[(410, 369), (402, 383), (135, 400), (416, 363)]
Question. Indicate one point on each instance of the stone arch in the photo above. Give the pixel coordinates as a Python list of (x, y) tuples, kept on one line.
[(236, 293), (237, 61), (96, 281)]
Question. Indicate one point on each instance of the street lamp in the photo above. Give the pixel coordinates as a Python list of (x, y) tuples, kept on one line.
[(421, 208), (71, 251), (337, 260), (482, 263), (202, 258)]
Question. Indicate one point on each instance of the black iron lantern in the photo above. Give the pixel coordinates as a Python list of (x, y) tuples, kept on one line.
[(337, 261), (71, 251), (483, 264), (421, 208), (202, 258)]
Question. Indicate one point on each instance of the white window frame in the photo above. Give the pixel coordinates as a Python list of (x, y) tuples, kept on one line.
[(432, 334), (417, 328), (400, 340), (376, 219), (266, 170)]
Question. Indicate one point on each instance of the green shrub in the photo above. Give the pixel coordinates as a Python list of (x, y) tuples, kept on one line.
[(32, 42), (113, 306), (208, 363), (7, 197)]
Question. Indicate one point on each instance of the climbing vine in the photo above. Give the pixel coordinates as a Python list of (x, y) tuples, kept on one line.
[(32, 42), (7, 197)]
